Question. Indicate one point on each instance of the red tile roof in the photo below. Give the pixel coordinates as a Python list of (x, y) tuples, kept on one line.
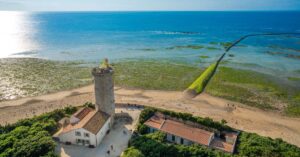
[(219, 144), (155, 121), (180, 129), (80, 114), (96, 122), (92, 121)]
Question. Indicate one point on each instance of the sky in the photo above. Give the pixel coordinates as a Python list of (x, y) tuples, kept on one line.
[(148, 5)]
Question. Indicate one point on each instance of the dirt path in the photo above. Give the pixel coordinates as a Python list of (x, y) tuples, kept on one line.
[(237, 115)]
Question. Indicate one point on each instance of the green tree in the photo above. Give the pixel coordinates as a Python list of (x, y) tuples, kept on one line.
[(132, 152)]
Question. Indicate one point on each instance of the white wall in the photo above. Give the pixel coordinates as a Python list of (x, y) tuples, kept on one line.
[(71, 137), (178, 140), (100, 135), (94, 139)]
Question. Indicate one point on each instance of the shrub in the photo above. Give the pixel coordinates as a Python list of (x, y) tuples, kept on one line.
[(248, 144), (153, 145), (132, 152), (32, 137), (253, 145), (70, 110), (89, 104)]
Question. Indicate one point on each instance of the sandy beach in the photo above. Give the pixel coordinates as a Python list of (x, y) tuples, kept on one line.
[(237, 115)]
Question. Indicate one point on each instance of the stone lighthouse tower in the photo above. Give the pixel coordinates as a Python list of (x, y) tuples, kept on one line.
[(104, 89)]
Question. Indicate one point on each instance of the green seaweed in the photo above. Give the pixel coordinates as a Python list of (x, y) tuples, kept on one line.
[(283, 48), (30, 77), (293, 110), (297, 97), (199, 84), (294, 78), (22, 77), (274, 53), (287, 55), (212, 48), (225, 44), (246, 86), (147, 49), (297, 71), (154, 75), (231, 55), (214, 43), (195, 47), (203, 57)]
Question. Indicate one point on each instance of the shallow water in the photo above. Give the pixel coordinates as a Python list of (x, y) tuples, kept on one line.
[(91, 36)]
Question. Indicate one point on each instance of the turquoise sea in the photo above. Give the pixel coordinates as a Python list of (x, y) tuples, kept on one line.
[(171, 36)]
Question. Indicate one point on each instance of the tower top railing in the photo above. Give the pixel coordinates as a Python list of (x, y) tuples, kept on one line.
[(97, 71), (103, 68)]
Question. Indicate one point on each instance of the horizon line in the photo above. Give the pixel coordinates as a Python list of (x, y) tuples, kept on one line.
[(149, 10)]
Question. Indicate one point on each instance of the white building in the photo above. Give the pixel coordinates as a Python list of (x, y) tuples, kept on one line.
[(88, 126)]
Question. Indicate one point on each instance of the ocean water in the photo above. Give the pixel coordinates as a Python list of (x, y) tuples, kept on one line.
[(91, 36)]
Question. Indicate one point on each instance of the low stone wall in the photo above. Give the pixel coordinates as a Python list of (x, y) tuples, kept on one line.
[(127, 105)]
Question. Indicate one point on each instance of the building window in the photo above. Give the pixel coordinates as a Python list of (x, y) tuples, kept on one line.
[(86, 135), (77, 133), (173, 138), (87, 142), (181, 141), (79, 141)]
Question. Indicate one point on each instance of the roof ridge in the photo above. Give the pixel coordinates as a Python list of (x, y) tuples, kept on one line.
[(89, 119), (161, 125)]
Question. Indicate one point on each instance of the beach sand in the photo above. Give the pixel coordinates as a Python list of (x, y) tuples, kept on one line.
[(237, 115)]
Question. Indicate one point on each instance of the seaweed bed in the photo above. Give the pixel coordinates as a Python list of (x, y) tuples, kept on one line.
[(21, 77), (283, 54), (254, 89), (154, 75), (245, 86), (211, 47), (29, 77)]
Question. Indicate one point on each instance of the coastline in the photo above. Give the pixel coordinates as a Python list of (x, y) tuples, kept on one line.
[(239, 116)]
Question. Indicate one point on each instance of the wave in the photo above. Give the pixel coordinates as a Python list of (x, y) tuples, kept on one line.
[(175, 32)]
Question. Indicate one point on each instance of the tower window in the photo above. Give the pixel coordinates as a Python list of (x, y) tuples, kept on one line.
[(86, 135)]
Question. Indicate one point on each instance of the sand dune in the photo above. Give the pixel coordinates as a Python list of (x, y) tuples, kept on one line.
[(237, 115)]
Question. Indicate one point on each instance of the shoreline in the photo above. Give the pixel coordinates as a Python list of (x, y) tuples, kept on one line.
[(239, 116)]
